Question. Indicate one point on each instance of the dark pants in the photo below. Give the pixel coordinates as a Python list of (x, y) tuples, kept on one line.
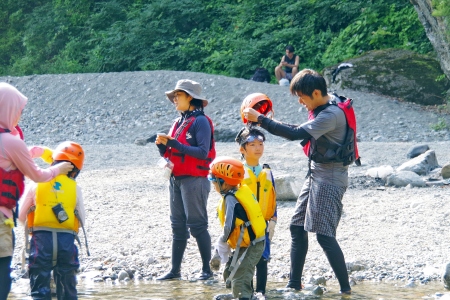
[(299, 248), (261, 276), (188, 214), (5, 277), (41, 265), (5, 273)]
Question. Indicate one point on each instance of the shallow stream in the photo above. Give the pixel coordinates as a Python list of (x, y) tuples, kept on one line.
[(207, 290)]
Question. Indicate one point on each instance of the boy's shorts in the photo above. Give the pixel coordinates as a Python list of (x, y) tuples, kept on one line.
[(6, 239)]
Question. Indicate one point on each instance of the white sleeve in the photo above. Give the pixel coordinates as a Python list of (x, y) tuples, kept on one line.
[(80, 206), (27, 200)]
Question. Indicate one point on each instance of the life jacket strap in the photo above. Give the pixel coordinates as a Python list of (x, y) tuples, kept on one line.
[(57, 230), (235, 262)]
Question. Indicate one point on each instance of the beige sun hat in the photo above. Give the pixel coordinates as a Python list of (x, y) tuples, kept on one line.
[(189, 86)]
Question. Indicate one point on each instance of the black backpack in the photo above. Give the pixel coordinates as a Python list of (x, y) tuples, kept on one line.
[(261, 75)]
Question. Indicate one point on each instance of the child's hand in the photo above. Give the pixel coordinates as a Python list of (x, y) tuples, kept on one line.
[(223, 249), (162, 139), (271, 228)]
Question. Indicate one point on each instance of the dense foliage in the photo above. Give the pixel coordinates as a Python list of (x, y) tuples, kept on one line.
[(229, 37), (441, 8)]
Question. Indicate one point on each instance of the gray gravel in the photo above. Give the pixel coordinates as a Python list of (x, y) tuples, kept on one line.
[(386, 234)]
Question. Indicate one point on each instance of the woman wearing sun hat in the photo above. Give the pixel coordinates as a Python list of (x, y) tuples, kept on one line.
[(190, 146)]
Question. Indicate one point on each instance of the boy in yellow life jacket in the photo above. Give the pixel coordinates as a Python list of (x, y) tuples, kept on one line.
[(52, 211), (260, 180), (243, 225)]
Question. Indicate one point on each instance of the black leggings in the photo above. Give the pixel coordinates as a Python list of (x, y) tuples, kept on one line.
[(299, 248)]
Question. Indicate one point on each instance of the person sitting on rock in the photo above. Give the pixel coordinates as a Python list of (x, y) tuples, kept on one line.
[(53, 212), (243, 225), (290, 63)]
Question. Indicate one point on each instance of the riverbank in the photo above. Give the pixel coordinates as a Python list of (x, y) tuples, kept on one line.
[(389, 234)]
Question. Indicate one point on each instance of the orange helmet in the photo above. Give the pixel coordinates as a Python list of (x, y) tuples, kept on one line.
[(70, 151), (259, 102), (229, 169)]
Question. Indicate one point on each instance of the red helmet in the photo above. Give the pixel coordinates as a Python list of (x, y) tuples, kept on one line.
[(259, 102), (229, 169), (70, 151)]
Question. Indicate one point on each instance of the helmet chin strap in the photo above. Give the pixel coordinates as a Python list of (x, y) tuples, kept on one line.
[(220, 187)]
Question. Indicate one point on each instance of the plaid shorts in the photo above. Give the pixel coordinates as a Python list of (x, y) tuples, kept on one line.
[(319, 207)]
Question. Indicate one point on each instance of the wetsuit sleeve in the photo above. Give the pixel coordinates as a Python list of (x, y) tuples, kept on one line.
[(161, 148), (233, 210), (200, 142), (230, 217), (290, 132)]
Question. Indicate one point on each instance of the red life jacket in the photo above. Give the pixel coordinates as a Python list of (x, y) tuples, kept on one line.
[(184, 164), (347, 153), (11, 185)]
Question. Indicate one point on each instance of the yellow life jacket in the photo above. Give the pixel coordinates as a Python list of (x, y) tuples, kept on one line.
[(256, 220), (61, 190), (262, 187)]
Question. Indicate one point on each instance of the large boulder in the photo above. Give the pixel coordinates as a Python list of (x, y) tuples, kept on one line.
[(445, 172), (422, 164), (288, 187), (396, 73), (404, 178), (416, 150)]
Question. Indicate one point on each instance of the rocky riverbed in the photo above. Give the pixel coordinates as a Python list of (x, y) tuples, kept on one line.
[(386, 233)]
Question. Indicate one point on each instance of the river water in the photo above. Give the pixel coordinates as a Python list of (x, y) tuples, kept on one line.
[(207, 290)]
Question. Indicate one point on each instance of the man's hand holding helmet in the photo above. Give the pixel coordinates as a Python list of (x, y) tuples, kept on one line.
[(258, 103), (251, 115)]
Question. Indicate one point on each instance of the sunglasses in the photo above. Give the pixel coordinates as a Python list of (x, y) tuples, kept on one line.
[(252, 138)]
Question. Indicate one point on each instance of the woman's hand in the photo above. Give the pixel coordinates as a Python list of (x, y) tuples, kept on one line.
[(65, 167), (162, 139), (251, 115)]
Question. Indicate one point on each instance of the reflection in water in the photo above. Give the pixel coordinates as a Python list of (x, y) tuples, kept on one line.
[(206, 290)]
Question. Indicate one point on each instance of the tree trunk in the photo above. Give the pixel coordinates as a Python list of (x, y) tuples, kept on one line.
[(436, 30)]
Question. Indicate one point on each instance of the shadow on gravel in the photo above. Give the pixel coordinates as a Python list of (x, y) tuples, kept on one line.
[(365, 182)]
